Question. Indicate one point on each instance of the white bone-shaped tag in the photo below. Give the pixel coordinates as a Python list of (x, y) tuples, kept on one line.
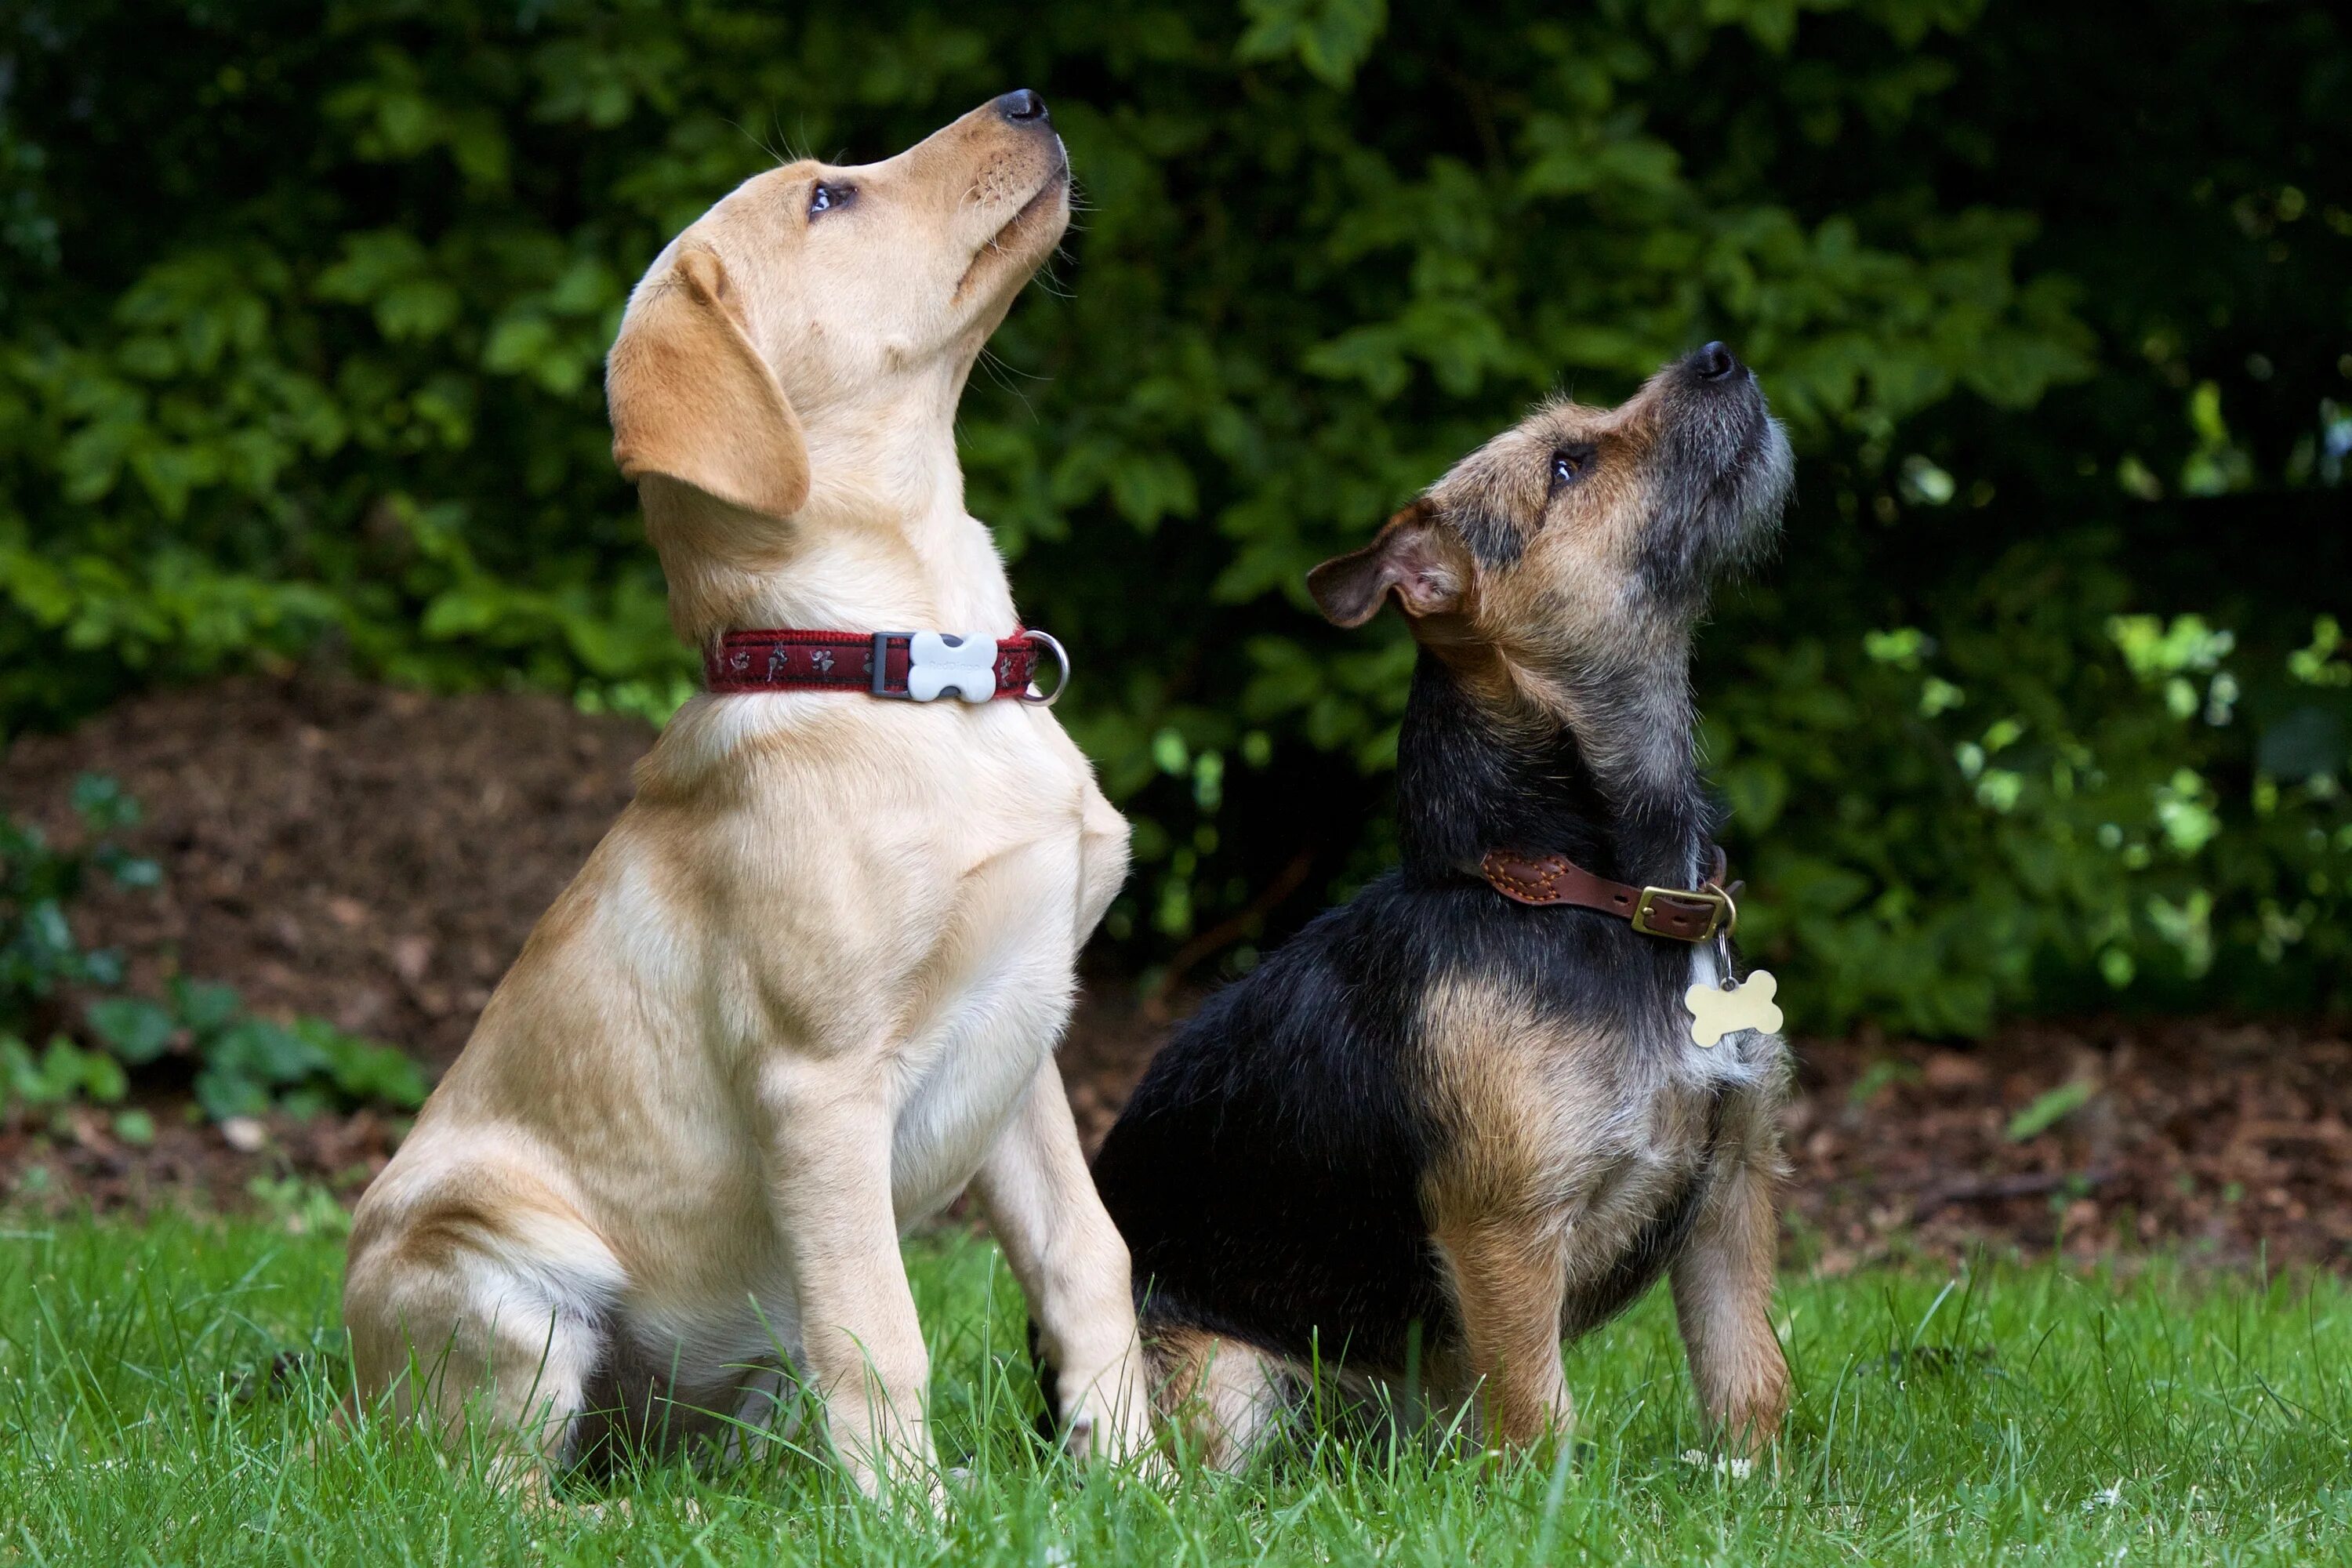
[(940, 662), (1716, 1012)]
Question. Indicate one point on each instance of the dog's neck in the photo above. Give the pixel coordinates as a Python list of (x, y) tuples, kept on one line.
[(1600, 767), (883, 543)]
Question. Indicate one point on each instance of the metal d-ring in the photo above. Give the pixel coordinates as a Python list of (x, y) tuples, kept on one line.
[(1060, 662)]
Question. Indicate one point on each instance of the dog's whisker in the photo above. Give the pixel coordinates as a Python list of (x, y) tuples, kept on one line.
[(999, 364), (1002, 373), (746, 132), (1051, 281)]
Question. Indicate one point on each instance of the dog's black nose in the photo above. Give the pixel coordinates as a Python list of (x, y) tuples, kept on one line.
[(1713, 363), (1023, 107)]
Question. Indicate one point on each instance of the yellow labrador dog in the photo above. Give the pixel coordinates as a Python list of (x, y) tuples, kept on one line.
[(808, 988)]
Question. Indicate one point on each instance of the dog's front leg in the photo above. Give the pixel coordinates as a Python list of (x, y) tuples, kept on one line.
[(1509, 1281), (1075, 1270), (1723, 1293), (862, 1344)]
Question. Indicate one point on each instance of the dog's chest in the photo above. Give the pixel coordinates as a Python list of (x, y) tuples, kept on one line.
[(1625, 1185), (966, 1078), (1000, 1002), (1632, 1166), (1643, 1133), (924, 944)]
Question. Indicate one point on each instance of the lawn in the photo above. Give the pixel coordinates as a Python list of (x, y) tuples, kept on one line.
[(2028, 1413)]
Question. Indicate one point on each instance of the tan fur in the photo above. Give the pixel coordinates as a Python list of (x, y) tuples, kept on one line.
[(693, 401), (1723, 1290), (1224, 1396), (1542, 1158), (1541, 1182), (1507, 1283), (809, 985), (1555, 1146)]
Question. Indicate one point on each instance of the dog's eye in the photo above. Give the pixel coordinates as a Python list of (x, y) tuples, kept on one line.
[(1570, 464), (824, 197)]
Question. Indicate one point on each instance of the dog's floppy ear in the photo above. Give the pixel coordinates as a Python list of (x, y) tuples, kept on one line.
[(692, 400), (1413, 555)]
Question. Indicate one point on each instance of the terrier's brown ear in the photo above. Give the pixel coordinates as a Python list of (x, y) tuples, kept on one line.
[(1413, 555), (692, 400)]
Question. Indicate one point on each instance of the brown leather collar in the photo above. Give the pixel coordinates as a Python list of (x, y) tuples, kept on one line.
[(885, 664), (1691, 915)]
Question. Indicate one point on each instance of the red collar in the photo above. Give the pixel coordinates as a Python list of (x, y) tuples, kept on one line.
[(919, 667)]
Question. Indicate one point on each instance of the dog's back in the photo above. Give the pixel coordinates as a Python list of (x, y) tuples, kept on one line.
[(1266, 1171), (1272, 1171)]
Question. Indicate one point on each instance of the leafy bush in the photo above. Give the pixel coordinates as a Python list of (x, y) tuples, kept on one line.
[(302, 311), (2029, 806), (251, 1064), (243, 1065), (37, 951)]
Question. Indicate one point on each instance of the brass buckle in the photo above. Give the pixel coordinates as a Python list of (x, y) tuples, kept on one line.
[(1724, 916)]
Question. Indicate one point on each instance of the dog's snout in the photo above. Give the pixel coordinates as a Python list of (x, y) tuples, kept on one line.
[(1715, 363), (1023, 107)]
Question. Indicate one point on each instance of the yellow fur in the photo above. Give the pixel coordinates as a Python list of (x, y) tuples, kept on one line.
[(809, 985)]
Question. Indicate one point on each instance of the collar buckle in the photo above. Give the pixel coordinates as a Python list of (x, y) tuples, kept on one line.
[(879, 683), (1722, 914)]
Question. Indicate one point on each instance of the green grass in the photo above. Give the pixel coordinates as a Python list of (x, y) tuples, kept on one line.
[(2022, 1414)]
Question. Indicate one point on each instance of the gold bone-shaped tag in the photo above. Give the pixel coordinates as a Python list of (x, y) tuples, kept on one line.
[(1716, 1012)]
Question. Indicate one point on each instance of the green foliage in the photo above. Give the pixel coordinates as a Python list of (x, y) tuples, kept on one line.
[(243, 1065), (63, 1074), (301, 311), (2031, 804), (247, 1065), (37, 881), (2049, 1108)]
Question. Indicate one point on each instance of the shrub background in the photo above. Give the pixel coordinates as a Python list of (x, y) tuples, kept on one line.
[(303, 309)]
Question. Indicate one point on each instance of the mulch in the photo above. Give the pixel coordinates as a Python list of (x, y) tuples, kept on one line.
[(377, 857), (371, 855), (2224, 1140)]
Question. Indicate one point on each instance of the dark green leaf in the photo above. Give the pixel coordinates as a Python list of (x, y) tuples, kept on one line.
[(136, 1030)]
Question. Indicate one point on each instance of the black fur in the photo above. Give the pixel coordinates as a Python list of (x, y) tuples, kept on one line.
[(1269, 1173), (1497, 541), (1266, 1172)]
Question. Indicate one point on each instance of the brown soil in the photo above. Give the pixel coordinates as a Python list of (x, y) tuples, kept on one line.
[(370, 855), (2229, 1142), (377, 857)]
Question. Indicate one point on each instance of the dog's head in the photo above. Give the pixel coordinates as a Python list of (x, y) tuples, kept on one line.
[(1582, 536), (814, 305)]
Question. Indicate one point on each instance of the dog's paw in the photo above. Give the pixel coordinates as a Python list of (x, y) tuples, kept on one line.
[(1078, 1437), (1118, 1450)]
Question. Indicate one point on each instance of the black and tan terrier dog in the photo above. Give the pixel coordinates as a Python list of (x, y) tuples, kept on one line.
[(1466, 1115)]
